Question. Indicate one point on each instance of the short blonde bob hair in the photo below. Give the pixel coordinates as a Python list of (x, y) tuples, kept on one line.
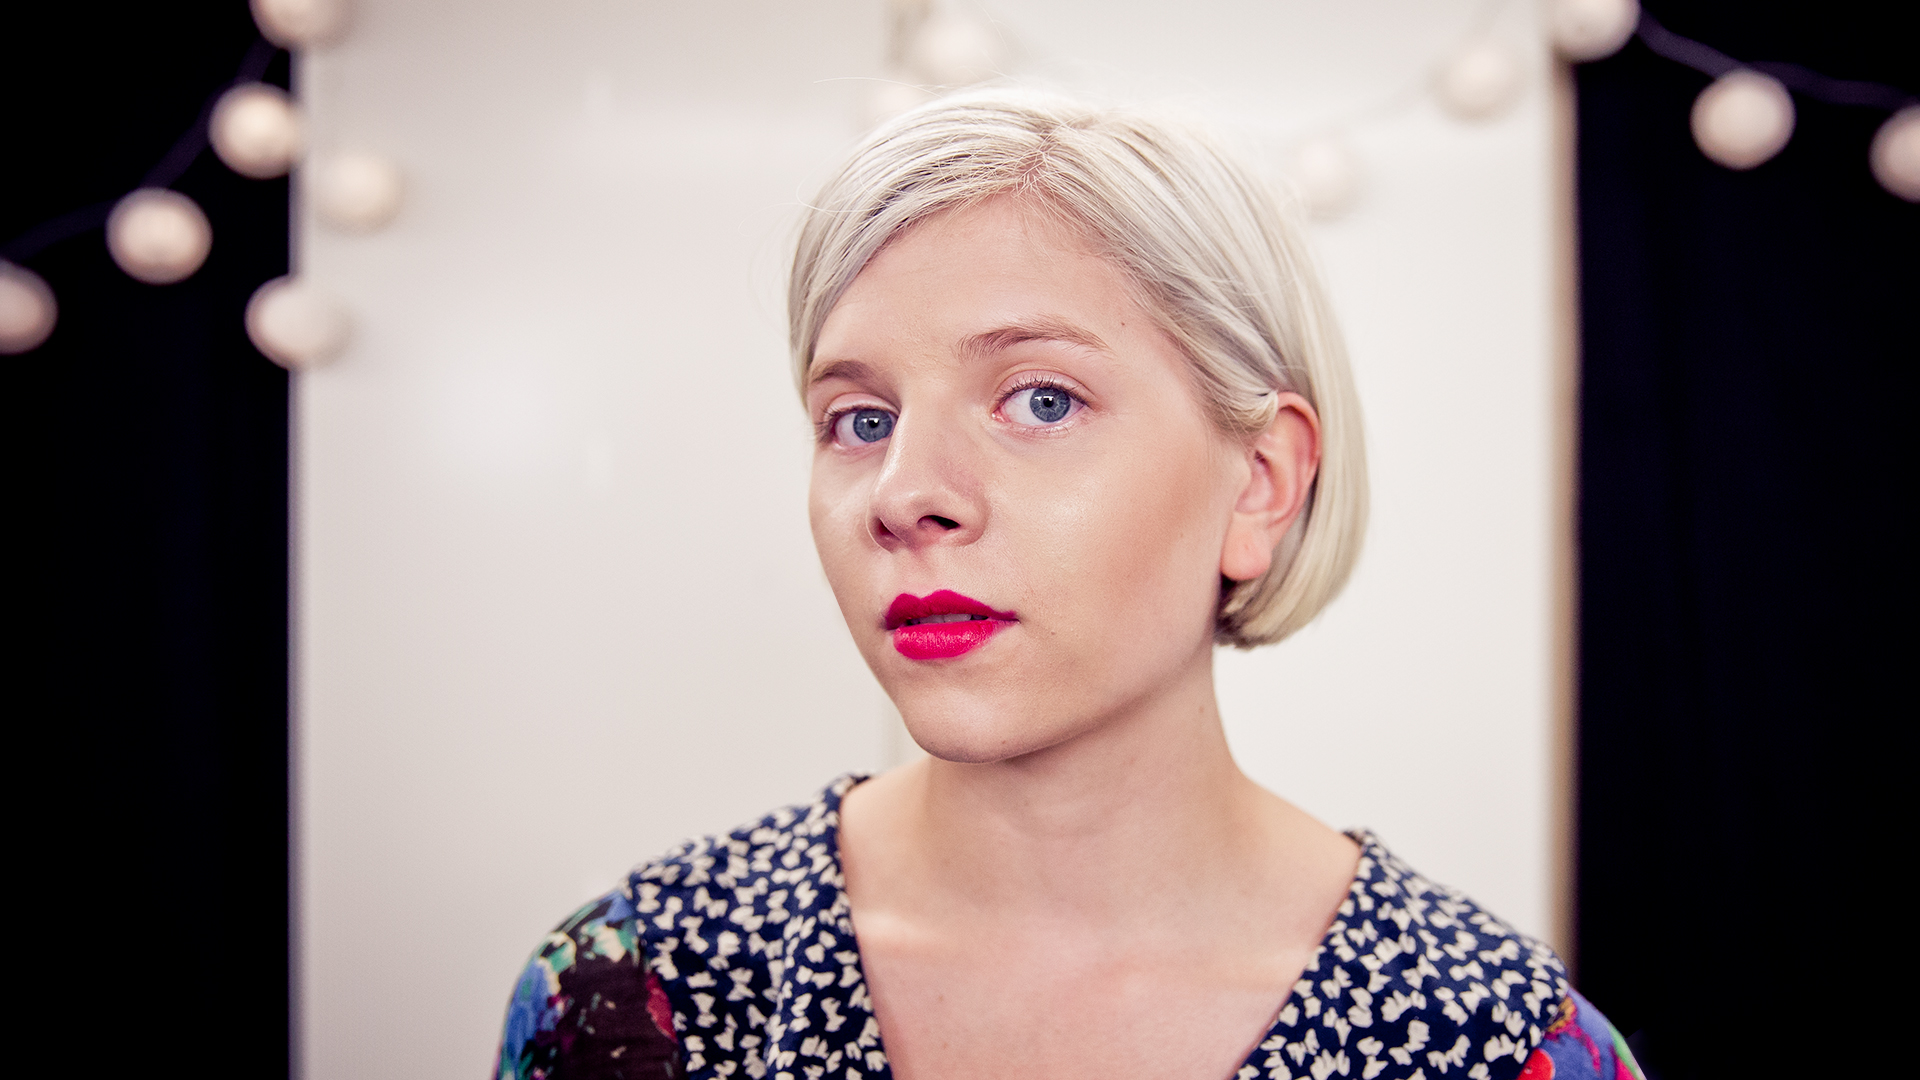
[(1211, 248)]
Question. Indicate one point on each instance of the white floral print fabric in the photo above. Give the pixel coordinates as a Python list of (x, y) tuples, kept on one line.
[(750, 936)]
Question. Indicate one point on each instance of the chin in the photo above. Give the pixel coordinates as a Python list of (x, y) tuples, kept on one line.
[(968, 729)]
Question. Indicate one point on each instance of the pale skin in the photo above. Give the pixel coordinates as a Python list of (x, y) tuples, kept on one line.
[(1079, 881)]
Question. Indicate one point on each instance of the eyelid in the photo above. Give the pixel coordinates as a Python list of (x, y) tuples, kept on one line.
[(1028, 380), (823, 427), (856, 399), (837, 409), (1035, 380)]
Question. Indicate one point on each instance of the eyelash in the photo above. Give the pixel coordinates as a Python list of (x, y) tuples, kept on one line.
[(1036, 381), (823, 427)]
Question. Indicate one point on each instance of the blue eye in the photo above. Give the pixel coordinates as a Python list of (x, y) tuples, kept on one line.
[(1040, 405), (862, 426)]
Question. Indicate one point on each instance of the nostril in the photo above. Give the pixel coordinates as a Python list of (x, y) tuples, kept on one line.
[(945, 523)]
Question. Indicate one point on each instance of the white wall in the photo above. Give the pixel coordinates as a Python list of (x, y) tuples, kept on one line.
[(557, 603)]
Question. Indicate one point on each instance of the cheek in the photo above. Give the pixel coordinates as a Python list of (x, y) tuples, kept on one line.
[(837, 512), (825, 508), (1136, 533), (1176, 534)]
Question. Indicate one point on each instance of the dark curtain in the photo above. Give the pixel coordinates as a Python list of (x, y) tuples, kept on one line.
[(147, 477), (1748, 344)]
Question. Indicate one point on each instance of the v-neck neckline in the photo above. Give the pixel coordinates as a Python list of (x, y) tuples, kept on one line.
[(835, 795), (1410, 976)]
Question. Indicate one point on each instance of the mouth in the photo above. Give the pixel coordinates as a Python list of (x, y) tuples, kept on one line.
[(942, 624)]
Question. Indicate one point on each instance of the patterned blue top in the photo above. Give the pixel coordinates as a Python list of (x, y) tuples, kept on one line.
[(734, 956)]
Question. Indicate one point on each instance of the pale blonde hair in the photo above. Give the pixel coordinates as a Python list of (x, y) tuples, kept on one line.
[(1213, 250)]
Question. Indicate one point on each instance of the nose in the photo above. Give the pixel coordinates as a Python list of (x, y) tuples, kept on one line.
[(928, 492)]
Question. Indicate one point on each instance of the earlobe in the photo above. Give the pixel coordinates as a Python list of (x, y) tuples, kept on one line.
[(1246, 555), (1283, 460)]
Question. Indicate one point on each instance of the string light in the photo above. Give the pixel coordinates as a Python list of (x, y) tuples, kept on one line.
[(355, 191), (1895, 154), (1481, 81), (1746, 116), (301, 24), (1586, 30), (889, 98), (158, 236), (928, 49), (1740, 121), (27, 309), (161, 236), (952, 51), (255, 131), (1743, 119), (297, 324), (1327, 175)]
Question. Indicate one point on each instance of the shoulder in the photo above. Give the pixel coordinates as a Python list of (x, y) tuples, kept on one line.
[(586, 1004), (783, 848), (1414, 978), (630, 984), (722, 901), (748, 926), (1581, 1044)]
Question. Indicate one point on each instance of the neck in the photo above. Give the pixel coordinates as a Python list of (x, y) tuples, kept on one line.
[(1090, 828)]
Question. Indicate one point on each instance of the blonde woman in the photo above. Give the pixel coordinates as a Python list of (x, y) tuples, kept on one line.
[(1082, 416)]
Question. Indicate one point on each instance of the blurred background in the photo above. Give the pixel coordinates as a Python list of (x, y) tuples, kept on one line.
[(384, 526)]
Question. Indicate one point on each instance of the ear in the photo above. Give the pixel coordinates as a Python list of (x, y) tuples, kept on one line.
[(1283, 458)]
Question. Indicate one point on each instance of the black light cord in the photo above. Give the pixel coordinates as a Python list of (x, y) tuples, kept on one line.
[(173, 165), (1711, 62)]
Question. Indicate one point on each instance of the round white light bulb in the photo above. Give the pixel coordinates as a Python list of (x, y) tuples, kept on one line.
[(889, 98), (1895, 155), (158, 236), (27, 309), (1327, 174), (1591, 29), (1743, 118), (1481, 81), (297, 324), (301, 24), (256, 131), (356, 192), (951, 51)]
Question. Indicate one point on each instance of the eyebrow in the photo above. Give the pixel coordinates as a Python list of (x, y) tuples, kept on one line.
[(1041, 329), (978, 346), (853, 370)]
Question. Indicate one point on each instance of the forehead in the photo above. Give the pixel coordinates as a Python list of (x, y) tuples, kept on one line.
[(1000, 262)]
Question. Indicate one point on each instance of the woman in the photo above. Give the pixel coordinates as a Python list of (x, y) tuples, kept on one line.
[(1081, 415)]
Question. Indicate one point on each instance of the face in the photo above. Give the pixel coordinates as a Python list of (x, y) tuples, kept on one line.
[(1017, 495)]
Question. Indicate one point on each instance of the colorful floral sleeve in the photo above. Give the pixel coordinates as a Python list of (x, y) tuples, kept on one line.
[(1581, 1045), (587, 1007)]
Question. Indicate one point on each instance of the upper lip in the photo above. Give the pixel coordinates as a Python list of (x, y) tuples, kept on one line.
[(907, 606)]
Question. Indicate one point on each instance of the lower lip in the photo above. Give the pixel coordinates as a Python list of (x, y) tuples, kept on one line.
[(943, 641)]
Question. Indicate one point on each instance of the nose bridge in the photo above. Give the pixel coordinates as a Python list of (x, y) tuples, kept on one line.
[(928, 488)]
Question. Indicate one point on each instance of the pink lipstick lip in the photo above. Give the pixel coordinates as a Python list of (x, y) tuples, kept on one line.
[(907, 607), (946, 639)]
